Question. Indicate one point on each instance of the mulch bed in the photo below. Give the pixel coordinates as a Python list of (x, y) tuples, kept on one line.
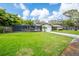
[(72, 49)]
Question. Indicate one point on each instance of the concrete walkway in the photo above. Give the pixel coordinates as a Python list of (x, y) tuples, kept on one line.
[(65, 34)]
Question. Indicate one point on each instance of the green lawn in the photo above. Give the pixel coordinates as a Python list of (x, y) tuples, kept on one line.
[(68, 31), (32, 43)]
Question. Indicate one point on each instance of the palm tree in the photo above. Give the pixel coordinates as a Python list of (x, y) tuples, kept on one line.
[(44, 28)]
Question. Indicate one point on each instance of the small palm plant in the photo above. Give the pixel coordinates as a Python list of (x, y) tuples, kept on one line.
[(44, 28)]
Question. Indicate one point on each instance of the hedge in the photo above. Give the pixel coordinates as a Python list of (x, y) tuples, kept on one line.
[(5, 29), (1, 29)]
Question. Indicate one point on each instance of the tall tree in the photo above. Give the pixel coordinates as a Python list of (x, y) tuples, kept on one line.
[(8, 19), (2, 18), (74, 16), (68, 23)]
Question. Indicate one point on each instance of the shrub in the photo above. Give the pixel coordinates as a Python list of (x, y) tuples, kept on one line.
[(1, 29), (7, 29)]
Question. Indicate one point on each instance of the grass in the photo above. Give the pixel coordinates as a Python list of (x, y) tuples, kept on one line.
[(32, 43), (68, 31)]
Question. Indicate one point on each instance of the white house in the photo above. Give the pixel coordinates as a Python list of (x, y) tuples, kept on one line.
[(46, 28), (58, 27)]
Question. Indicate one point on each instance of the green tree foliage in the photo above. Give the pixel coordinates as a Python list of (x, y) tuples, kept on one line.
[(2, 11), (8, 19), (29, 22), (68, 22), (73, 15), (74, 18)]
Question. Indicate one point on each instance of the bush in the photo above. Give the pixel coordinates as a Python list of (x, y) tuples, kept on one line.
[(1, 29), (4, 29), (7, 29)]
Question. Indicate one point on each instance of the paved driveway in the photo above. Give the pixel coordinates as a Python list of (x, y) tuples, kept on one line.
[(73, 48), (65, 34)]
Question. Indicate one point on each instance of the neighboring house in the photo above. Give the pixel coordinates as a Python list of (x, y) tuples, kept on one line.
[(57, 27), (46, 27), (35, 28), (71, 28), (32, 28), (27, 28)]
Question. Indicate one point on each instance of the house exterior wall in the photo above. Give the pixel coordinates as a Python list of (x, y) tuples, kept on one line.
[(46, 28), (57, 27)]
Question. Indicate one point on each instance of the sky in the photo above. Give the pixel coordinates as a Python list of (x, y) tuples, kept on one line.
[(39, 11)]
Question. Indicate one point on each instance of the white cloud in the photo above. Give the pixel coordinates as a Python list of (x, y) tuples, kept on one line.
[(35, 12), (15, 4), (68, 6), (64, 7), (22, 6), (43, 13), (44, 19), (53, 3), (40, 13), (57, 16), (26, 13), (19, 16)]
